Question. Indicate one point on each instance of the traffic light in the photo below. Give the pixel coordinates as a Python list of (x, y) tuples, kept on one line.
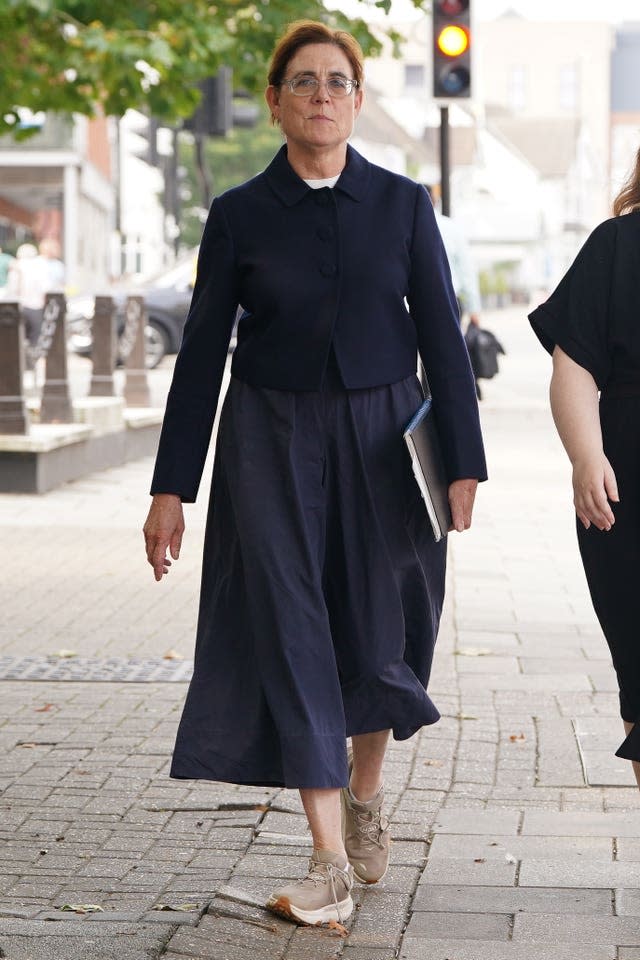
[(213, 116), (451, 49)]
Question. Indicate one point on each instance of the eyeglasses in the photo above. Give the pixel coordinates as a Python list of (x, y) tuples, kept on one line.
[(308, 86)]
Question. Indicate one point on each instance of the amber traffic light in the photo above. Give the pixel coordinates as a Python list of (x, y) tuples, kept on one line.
[(451, 49)]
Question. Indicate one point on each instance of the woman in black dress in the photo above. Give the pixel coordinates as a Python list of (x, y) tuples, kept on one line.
[(322, 585), (591, 325)]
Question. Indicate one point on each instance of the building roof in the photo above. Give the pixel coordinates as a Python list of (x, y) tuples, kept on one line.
[(376, 125), (549, 144), (462, 145)]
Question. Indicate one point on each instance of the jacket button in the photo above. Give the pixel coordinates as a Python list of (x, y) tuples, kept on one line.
[(327, 269), (322, 197), (325, 233)]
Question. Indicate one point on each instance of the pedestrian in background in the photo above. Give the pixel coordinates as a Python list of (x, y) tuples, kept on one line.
[(34, 273), (464, 273), (590, 325), (52, 267), (5, 262), (24, 286), (322, 585)]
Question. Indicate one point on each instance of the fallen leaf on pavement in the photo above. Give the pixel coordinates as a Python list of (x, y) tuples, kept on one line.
[(433, 763), (45, 708), (474, 652), (177, 906), (517, 737), (338, 927), (172, 655), (82, 907), (64, 654), (480, 860)]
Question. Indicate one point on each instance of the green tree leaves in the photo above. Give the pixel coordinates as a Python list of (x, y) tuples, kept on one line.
[(80, 56)]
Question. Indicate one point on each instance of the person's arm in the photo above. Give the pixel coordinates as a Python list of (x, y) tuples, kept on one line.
[(445, 359), (193, 396), (574, 404), (199, 367)]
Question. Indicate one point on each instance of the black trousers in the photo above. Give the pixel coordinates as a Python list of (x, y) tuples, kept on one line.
[(611, 560)]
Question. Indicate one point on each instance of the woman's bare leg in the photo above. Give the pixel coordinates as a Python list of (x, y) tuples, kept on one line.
[(628, 727), (322, 807), (368, 756)]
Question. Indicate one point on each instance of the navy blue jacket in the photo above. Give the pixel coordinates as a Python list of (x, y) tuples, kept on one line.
[(360, 267)]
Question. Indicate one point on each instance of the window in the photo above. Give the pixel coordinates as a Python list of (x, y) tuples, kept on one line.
[(569, 86), (517, 88), (414, 76)]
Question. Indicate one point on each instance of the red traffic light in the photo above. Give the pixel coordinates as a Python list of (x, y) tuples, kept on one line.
[(451, 8)]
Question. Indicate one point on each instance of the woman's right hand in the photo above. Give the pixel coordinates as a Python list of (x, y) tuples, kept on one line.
[(594, 486), (163, 528)]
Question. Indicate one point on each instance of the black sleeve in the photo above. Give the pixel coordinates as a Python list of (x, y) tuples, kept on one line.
[(199, 368), (432, 304), (576, 315)]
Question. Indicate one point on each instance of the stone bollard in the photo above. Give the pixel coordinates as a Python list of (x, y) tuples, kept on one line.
[(55, 406), (14, 417), (132, 348), (103, 353)]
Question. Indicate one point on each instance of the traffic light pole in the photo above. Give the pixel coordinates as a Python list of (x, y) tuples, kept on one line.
[(445, 189)]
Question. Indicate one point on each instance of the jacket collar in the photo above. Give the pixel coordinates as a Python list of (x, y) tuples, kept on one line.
[(290, 188)]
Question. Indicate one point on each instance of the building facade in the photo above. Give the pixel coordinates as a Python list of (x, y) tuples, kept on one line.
[(530, 152), (59, 184)]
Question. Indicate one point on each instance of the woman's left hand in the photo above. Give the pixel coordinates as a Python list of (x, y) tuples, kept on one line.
[(462, 493)]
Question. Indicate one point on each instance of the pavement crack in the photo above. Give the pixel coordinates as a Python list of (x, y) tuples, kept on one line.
[(159, 949)]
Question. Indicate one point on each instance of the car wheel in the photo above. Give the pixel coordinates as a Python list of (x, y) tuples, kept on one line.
[(156, 344)]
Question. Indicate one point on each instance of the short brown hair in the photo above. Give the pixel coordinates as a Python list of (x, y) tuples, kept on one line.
[(303, 32), (628, 199)]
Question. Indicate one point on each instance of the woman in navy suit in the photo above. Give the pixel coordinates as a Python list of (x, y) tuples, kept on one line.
[(322, 585)]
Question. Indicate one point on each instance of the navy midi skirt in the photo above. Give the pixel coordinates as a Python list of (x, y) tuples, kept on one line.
[(322, 587)]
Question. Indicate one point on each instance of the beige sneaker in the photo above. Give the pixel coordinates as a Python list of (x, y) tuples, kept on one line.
[(367, 838), (323, 895)]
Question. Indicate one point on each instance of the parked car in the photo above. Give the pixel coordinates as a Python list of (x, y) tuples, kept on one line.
[(167, 297)]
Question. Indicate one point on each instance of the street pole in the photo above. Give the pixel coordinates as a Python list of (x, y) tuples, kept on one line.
[(171, 190), (121, 267), (445, 190)]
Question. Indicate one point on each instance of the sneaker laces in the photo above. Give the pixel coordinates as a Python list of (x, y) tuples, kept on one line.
[(320, 872), (370, 825)]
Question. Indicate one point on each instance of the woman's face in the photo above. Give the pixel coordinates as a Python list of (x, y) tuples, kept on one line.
[(318, 121)]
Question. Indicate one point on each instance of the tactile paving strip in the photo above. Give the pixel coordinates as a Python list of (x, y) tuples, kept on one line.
[(88, 669)]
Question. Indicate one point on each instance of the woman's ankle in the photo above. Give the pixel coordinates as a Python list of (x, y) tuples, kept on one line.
[(365, 790)]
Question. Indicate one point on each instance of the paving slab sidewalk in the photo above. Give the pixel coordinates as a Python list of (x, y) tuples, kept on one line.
[(516, 829)]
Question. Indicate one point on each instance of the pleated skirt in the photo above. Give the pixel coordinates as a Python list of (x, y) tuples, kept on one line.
[(322, 587), (611, 560)]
